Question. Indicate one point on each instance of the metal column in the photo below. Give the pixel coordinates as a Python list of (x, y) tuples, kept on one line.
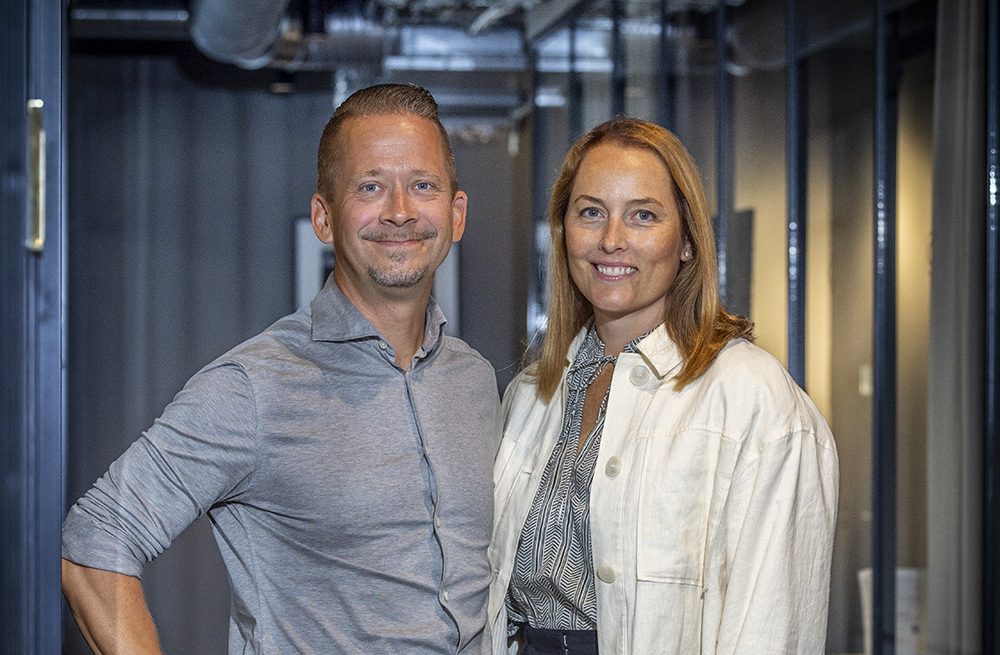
[(574, 93), (537, 303), (884, 338), (991, 524), (618, 73), (797, 158), (723, 142), (665, 90)]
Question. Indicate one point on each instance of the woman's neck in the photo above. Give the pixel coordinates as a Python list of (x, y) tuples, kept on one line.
[(616, 333)]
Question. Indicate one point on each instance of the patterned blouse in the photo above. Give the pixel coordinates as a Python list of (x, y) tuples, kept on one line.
[(552, 585)]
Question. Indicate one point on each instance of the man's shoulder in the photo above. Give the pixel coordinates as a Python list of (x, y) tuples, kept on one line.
[(464, 366), (286, 338), (464, 353)]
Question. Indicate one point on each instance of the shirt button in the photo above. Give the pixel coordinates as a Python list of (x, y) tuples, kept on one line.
[(437, 521), (383, 345), (613, 467), (447, 596), (639, 375), (606, 573)]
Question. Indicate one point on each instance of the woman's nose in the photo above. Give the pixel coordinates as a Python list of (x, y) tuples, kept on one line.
[(614, 235)]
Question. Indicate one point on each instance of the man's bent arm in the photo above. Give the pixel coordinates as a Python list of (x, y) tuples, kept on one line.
[(201, 451), (110, 609)]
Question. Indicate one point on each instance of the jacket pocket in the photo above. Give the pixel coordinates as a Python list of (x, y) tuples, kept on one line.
[(675, 498)]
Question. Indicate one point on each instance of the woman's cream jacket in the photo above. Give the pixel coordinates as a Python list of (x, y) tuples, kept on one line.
[(712, 508)]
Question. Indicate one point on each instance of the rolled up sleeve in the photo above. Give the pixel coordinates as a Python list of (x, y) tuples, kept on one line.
[(201, 451)]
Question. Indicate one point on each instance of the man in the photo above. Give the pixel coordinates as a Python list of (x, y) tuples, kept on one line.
[(344, 455)]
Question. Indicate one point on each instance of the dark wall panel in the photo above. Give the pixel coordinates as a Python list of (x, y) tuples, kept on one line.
[(180, 200), (494, 255)]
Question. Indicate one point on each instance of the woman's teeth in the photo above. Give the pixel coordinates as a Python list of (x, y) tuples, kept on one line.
[(615, 271)]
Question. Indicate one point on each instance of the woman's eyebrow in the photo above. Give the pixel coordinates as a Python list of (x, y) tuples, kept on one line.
[(636, 201), (645, 201)]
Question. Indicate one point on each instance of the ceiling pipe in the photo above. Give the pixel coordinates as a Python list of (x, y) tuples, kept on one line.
[(347, 42), (255, 34), (246, 33)]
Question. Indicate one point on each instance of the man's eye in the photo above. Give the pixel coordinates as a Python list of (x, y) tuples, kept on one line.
[(424, 186), (371, 188)]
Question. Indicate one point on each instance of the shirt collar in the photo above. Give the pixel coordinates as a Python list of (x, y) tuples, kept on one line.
[(592, 349), (335, 318), (657, 349)]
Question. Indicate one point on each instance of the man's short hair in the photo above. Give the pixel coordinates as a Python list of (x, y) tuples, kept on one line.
[(378, 100)]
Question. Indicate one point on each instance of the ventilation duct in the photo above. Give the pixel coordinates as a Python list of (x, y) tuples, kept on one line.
[(255, 34), (241, 32)]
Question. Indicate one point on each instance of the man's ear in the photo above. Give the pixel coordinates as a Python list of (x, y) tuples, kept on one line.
[(459, 205), (321, 219)]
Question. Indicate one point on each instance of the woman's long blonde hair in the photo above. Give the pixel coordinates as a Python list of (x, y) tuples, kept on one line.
[(695, 318)]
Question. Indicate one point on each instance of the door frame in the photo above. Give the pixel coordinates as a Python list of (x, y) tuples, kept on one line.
[(33, 334)]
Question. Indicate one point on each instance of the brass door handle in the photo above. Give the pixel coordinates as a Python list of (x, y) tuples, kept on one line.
[(36, 173)]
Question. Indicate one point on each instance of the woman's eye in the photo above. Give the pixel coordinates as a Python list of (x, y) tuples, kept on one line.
[(591, 212), (644, 215)]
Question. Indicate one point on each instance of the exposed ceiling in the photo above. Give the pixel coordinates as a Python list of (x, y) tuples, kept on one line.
[(470, 53), (335, 46)]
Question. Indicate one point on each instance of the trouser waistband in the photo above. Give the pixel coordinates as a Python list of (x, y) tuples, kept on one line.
[(540, 641)]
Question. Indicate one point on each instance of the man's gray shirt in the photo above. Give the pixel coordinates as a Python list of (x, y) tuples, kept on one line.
[(351, 500)]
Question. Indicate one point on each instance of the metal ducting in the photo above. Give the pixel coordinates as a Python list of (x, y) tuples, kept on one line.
[(255, 34), (347, 42), (241, 32)]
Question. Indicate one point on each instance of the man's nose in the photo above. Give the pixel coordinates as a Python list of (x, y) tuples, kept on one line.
[(401, 207)]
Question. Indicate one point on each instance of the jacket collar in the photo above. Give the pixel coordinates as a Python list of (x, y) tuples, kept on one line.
[(335, 318), (658, 351)]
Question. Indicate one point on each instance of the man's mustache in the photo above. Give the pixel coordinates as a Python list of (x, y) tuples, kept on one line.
[(391, 235)]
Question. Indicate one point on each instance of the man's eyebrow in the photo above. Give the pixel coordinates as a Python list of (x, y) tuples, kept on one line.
[(374, 172), (419, 172), (377, 172)]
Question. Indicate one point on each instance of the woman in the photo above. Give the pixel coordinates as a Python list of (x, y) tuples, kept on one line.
[(663, 486)]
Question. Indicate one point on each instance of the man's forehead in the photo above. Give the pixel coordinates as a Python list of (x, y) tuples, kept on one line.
[(373, 143), (401, 128), (389, 122)]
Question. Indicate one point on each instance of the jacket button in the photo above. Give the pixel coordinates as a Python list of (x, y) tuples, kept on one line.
[(606, 573), (613, 467), (639, 375)]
